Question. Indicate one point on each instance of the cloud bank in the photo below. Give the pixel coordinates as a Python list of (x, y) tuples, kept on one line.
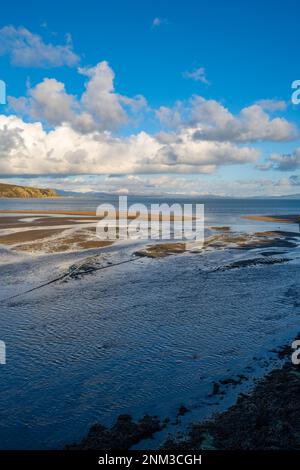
[(50, 131), (27, 148)]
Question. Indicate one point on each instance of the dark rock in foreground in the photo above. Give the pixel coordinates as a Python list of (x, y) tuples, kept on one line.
[(246, 263), (121, 436), (268, 418)]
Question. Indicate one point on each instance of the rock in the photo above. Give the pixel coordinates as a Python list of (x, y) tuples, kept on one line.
[(121, 436)]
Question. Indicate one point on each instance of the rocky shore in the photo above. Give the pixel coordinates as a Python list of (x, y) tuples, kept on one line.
[(268, 418), (122, 435)]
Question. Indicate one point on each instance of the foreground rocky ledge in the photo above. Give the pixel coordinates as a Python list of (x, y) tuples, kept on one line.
[(266, 419), (122, 435)]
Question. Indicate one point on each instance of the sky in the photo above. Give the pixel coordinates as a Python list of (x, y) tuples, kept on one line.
[(179, 97)]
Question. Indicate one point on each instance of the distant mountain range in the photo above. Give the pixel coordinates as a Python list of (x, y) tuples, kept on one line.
[(87, 194), (17, 191)]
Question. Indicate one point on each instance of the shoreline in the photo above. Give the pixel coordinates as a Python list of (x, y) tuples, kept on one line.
[(62, 230), (223, 238), (265, 418), (288, 219)]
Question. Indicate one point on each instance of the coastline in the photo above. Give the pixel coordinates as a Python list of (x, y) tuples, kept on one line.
[(62, 230), (232, 250), (266, 418)]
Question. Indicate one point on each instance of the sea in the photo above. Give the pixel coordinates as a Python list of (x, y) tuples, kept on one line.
[(139, 335)]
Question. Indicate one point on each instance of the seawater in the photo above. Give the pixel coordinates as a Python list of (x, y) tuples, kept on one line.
[(143, 337)]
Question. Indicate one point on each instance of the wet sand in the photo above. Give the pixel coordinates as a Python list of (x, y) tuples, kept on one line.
[(23, 222), (40, 232), (39, 235), (28, 236), (161, 250), (258, 240), (70, 242), (289, 219), (122, 215)]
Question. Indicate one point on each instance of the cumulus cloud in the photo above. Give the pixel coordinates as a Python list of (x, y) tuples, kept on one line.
[(99, 99), (27, 148), (10, 139), (26, 49), (170, 117), (188, 155), (213, 121), (48, 102), (55, 132), (285, 162), (272, 105), (250, 125), (193, 185), (198, 75), (99, 108)]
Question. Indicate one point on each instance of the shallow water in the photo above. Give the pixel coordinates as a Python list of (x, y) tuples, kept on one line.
[(142, 337)]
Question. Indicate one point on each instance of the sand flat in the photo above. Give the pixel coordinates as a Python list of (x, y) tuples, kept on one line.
[(289, 219), (122, 215), (17, 222), (28, 236), (40, 235)]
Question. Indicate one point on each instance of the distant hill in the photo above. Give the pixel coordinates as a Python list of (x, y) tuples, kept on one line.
[(95, 194), (12, 190)]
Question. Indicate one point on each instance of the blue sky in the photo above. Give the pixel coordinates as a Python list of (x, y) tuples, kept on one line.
[(235, 55)]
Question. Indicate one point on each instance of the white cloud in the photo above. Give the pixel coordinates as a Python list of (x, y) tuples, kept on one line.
[(170, 117), (188, 155), (70, 134), (252, 124), (27, 148), (48, 102), (99, 108), (272, 105), (29, 50), (212, 121), (198, 75), (192, 185), (100, 99)]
